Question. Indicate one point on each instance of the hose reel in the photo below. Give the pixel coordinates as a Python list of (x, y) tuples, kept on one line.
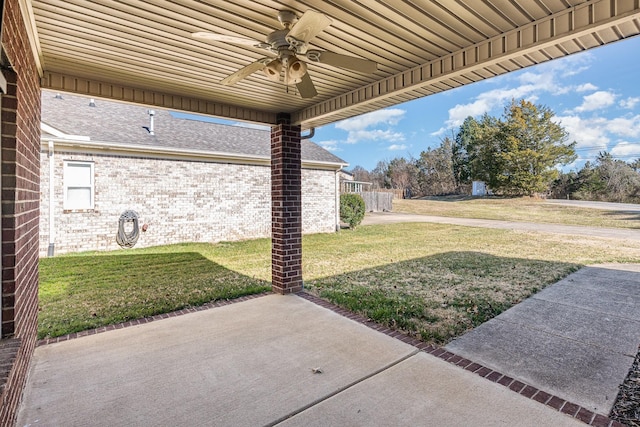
[(128, 239)]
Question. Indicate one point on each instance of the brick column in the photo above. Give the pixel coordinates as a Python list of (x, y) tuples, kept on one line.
[(20, 137), (286, 207)]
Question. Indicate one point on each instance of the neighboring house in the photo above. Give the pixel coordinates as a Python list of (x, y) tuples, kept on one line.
[(187, 180)]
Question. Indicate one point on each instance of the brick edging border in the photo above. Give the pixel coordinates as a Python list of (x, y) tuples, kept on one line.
[(207, 306), (576, 411)]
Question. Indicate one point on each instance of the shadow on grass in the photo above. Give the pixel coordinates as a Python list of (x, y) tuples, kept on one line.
[(464, 197), (84, 292), (449, 198), (624, 216), (439, 297)]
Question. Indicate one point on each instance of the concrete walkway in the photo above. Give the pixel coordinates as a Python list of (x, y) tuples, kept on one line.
[(372, 218), (272, 360), (576, 338)]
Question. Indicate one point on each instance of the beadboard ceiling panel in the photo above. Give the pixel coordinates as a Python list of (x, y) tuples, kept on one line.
[(142, 51)]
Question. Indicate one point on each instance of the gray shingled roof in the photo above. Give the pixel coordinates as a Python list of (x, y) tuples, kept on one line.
[(121, 123)]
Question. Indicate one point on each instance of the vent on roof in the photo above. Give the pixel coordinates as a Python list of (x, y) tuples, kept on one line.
[(92, 103), (58, 96), (150, 127)]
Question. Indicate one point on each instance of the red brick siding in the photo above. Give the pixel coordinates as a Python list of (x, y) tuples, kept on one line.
[(286, 209), (20, 139)]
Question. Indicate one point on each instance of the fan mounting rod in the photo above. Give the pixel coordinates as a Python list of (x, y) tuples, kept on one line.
[(287, 18)]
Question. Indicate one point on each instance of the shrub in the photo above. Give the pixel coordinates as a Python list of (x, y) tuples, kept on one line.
[(351, 209)]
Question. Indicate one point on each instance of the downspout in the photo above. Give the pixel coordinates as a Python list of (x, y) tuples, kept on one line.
[(52, 229), (338, 199)]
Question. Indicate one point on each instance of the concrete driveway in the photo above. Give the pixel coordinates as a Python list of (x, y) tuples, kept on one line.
[(372, 218)]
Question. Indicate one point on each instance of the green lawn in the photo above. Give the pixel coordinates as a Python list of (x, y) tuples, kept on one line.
[(525, 209), (433, 281)]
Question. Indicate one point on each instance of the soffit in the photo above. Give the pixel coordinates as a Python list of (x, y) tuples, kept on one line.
[(142, 51)]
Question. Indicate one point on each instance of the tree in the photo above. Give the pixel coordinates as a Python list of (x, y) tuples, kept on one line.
[(474, 150), (531, 146), (435, 173), (517, 154), (360, 174), (379, 175), (619, 181), (402, 173)]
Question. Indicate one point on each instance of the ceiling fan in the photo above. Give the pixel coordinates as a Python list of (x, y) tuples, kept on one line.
[(288, 45)]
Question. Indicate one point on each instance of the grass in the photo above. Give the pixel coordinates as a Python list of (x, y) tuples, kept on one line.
[(86, 291), (433, 281), (524, 209)]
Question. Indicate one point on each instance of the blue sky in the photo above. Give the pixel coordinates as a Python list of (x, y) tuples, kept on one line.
[(595, 96)]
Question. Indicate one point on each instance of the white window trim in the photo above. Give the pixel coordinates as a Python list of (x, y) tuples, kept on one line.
[(91, 186)]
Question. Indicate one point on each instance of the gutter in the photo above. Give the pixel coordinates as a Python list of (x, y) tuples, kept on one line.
[(52, 229), (199, 155)]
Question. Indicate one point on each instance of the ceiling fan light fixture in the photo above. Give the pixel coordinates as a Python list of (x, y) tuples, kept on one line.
[(296, 69), (273, 69)]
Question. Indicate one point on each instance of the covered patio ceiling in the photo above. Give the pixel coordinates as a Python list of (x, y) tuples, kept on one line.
[(143, 51)]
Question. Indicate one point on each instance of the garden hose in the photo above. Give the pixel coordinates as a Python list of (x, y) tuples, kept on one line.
[(124, 239)]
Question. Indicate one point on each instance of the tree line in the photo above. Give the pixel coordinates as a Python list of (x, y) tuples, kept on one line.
[(517, 154)]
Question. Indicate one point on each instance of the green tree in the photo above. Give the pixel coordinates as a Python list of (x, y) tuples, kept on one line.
[(531, 146), (352, 209), (517, 154), (474, 150)]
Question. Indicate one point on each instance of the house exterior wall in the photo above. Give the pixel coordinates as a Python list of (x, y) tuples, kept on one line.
[(180, 200), (20, 130)]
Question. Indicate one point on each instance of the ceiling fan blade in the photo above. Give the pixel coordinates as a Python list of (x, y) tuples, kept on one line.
[(225, 38), (342, 61), (306, 87), (310, 24), (243, 73)]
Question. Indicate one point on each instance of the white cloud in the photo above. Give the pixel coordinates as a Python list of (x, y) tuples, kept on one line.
[(625, 126), (396, 147), (485, 102), (629, 103), (359, 128), (626, 149), (531, 84), (546, 78), (374, 135), (591, 134), (596, 101), (390, 116), (587, 87), (329, 145)]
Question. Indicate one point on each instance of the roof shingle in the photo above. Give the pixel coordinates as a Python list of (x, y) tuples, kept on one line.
[(120, 123)]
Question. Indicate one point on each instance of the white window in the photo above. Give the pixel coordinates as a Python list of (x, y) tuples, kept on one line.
[(78, 185)]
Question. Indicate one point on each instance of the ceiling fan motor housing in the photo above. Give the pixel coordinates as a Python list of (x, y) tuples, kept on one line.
[(287, 18)]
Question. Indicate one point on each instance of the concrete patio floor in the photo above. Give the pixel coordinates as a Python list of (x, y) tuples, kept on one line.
[(252, 363)]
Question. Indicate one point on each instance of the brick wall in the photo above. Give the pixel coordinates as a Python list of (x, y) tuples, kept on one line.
[(181, 201), (20, 138), (286, 207)]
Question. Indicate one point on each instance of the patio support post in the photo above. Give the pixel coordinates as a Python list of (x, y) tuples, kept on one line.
[(286, 207)]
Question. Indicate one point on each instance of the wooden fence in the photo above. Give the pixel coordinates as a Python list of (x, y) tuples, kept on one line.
[(376, 201)]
